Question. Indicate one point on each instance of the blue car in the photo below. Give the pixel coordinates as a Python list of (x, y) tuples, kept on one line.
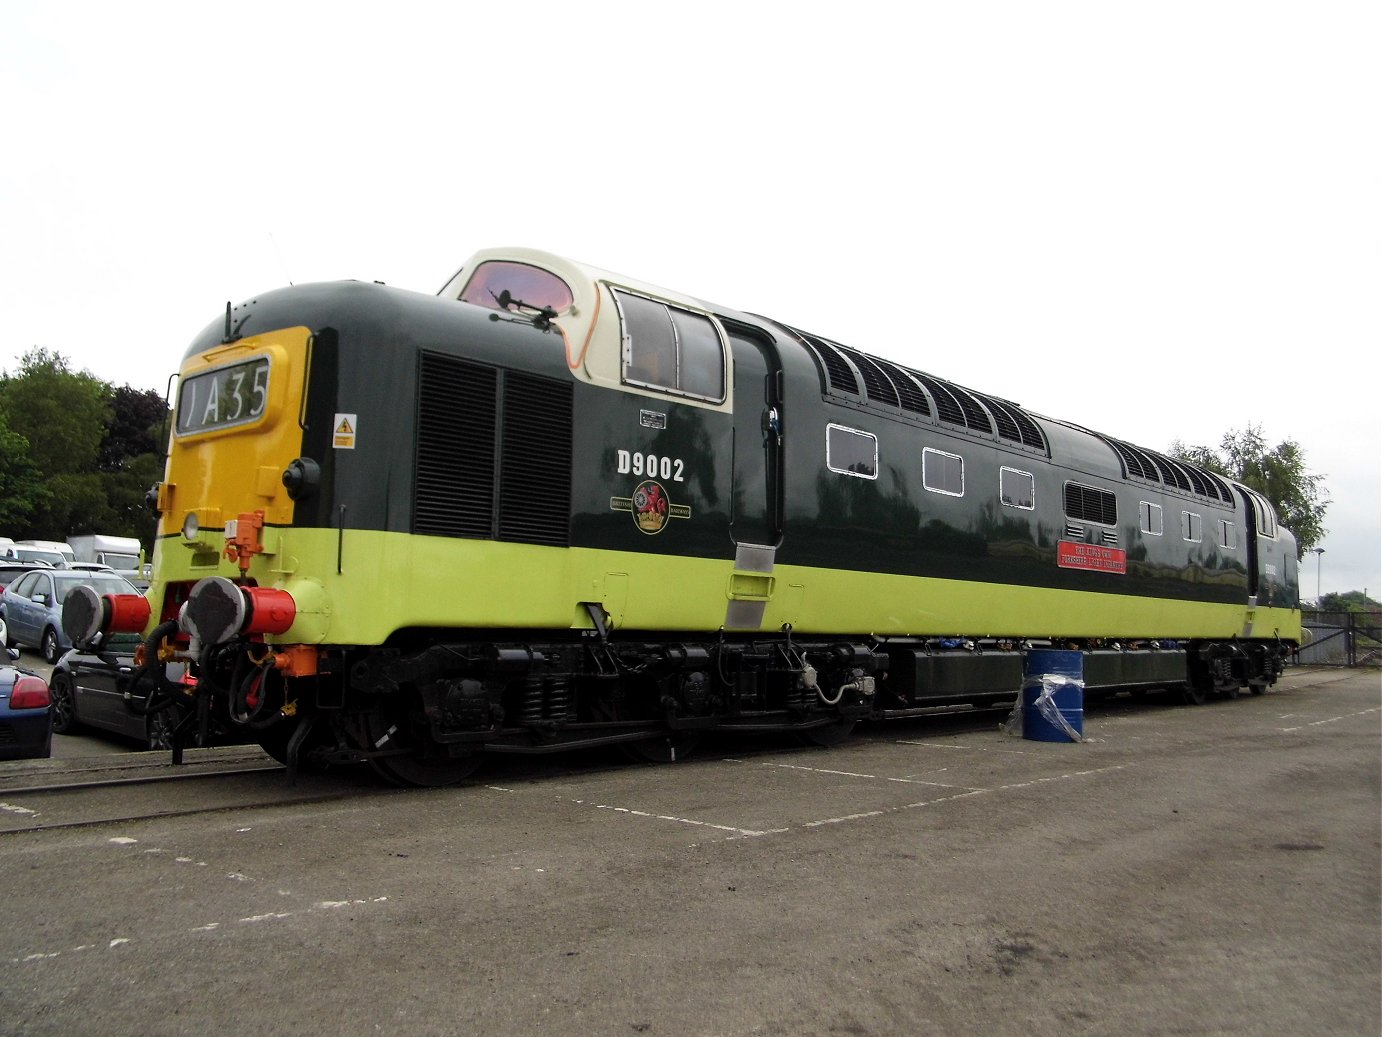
[(31, 606), (26, 713)]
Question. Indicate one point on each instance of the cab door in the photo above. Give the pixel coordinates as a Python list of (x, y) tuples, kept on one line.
[(756, 509)]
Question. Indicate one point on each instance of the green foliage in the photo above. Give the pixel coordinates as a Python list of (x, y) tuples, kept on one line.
[(1351, 601), (76, 454), (22, 492), (1278, 473), (63, 415)]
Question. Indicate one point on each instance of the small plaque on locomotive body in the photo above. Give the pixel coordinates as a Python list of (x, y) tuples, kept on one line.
[(652, 419)]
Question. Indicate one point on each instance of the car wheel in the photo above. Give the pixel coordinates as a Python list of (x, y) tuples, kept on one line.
[(64, 704), (160, 730), (51, 652)]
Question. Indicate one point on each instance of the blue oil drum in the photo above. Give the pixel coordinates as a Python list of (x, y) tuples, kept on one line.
[(1052, 692)]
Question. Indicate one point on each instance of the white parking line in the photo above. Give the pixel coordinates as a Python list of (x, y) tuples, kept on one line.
[(1333, 720)]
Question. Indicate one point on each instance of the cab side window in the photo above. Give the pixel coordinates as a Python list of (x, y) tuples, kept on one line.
[(671, 349)]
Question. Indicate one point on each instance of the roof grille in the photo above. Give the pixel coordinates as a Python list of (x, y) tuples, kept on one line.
[(837, 368), (880, 388), (947, 407), (1013, 423), (909, 393), (1148, 464)]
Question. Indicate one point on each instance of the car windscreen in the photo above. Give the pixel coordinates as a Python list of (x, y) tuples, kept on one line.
[(102, 585)]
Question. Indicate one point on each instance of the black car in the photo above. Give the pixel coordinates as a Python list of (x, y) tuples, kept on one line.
[(89, 688)]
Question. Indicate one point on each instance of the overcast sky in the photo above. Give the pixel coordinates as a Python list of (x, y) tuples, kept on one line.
[(1160, 221)]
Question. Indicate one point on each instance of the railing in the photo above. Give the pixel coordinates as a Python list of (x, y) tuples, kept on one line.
[(1341, 639)]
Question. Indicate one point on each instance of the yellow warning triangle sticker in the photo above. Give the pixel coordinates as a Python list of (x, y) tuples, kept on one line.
[(344, 429)]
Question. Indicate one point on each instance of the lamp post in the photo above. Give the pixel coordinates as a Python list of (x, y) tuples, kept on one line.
[(1319, 564)]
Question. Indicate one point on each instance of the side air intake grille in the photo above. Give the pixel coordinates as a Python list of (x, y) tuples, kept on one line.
[(535, 479), (459, 491), (1091, 504), (454, 489)]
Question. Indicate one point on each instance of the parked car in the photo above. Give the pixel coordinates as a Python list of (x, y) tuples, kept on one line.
[(26, 711), (28, 553), (11, 571), (31, 606), (88, 686)]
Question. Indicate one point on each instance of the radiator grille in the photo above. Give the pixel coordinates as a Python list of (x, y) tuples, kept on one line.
[(535, 475), (454, 491), (469, 415)]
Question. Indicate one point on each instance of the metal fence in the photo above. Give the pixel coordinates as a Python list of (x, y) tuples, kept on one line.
[(1342, 639)]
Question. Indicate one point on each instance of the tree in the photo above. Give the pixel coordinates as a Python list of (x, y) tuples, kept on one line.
[(137, 427), (1278, 473), (76, 454), (62, 414), (22, 493), (1352, 601)]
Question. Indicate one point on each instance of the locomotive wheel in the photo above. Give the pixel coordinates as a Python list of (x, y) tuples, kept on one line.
[(666, 748), (391, 727), (828, 735)]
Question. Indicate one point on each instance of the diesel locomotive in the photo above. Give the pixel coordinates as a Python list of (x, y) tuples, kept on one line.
[(553, 507)]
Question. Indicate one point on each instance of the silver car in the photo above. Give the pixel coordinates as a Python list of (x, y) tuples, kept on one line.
[(31, 606)]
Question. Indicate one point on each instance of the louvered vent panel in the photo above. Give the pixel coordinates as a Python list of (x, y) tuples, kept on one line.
[(1134, 461), (1091, 504), (453, 492), (909, 395), (837, 368), (975, 416), (1007, 424), (1220, 487), (535, 474), (879, 386), (1197, 481), (947, 407), (1169, 475), (1031, 432)]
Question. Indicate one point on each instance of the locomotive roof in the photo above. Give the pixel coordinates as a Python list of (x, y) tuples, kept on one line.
[(870, 381)]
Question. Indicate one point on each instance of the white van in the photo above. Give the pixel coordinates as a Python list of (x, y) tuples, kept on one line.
[(55, 553)]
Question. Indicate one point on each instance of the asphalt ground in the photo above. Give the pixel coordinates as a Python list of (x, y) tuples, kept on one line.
[(1186, 870)]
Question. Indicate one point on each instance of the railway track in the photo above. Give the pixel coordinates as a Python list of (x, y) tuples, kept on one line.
[(143, 786), (48, 795)]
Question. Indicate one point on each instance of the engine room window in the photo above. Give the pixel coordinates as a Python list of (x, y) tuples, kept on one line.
[(668, 348), (1151, 518), (532, 286), (1228, 535), (942, 472), (1190, 527), (1016, 489), (1091, 504), (851, 452)]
